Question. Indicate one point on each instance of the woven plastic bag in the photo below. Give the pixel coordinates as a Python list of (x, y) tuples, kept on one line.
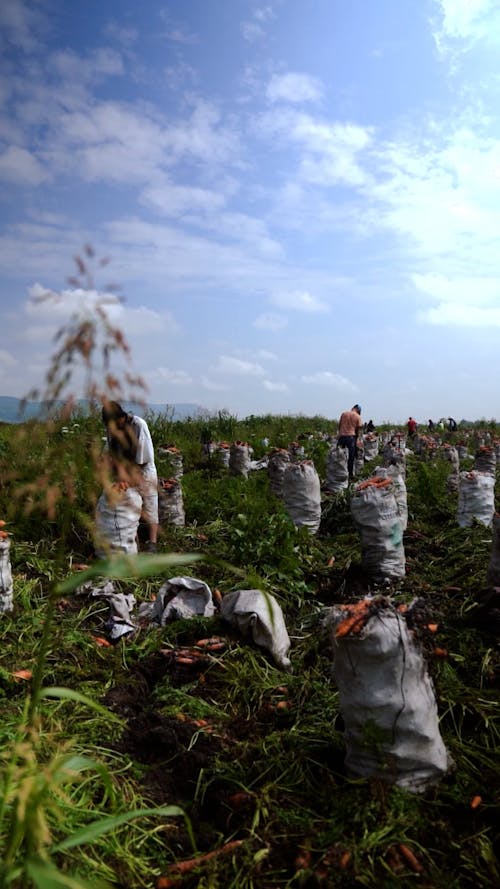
[(476, 498), (377, 517), (116, 520), (399, 487), (6, 586), (337, 475), (182, 597), (171, 502), (279, 458), (302, 495), (387, 700), (493, 572), (239, 459), (259, 615)]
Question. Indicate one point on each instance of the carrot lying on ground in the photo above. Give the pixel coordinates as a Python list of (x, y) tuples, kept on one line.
[(410, 858), (184, 867), (475, 801)]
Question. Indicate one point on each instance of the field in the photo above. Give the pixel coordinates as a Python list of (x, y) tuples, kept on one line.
[(146, 766)]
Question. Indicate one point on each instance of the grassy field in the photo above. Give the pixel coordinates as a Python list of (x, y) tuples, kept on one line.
[(137, 764)]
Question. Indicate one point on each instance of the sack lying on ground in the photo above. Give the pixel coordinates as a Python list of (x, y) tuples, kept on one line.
[(258, 615), (6, 586), (120, 622), (181, 597), (386, 698)]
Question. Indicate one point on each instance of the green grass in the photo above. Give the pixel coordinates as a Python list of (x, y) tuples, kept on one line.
[(266, 764)]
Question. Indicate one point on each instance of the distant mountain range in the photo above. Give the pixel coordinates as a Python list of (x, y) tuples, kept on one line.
[(10, 409)]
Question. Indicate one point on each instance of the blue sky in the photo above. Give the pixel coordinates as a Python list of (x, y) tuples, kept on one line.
[(300, 198)]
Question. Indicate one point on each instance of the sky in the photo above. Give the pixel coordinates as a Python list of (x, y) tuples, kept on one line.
[(299, 199)]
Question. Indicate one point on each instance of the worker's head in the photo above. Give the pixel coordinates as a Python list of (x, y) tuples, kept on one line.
[(113, 413), (357, 408)]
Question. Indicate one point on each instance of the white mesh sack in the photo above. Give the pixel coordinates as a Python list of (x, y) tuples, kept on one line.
[(376, 515), (337, 474), (476, 498), (6, 586), (387, 701), (116, 520), (174, 460), (302, 495), (257, 614)]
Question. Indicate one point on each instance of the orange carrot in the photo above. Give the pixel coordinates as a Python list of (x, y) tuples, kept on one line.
[(22, 674), (440, 652), (100, 640), (433, 628), (475, 802), (184, 660), (345, 859), (184, 867), (413, 862)]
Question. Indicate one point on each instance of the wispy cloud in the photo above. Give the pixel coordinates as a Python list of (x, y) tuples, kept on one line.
[(230, 365), (270, 321), (299, 301), (17, 165), (327, 378), (274, 386), (294, 87)]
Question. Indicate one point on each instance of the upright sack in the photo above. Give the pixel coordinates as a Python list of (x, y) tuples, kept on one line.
[(302, 495), (376, 515), (117, 517), (279, 458), (476, 498), (386, 698), (337, 474), (239, 459), (6, 586)]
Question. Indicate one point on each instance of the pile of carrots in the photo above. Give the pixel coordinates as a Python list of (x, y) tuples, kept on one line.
[(376, 481), (358, 615), (199, 655), (167, 484)]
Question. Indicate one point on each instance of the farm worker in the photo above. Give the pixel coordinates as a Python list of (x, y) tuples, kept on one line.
[(431, 425), (350, 424), (452, 424), (130, 447), (411, 426)]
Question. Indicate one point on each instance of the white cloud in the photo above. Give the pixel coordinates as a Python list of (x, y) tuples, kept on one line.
[(299, 300), (6, 359), (327, 378), (266, 355), (275, 386), (103, 61), (461, 302), (463, 19), (17, 165), (230, 365), (166, 374), (214, 386), (448, 314), (294, 87), (270, 321), (20, 22)]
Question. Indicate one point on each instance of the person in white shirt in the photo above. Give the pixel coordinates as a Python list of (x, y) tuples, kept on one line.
[(131, 450)]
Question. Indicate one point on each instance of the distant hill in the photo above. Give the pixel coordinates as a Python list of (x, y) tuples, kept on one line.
[(10, 408)]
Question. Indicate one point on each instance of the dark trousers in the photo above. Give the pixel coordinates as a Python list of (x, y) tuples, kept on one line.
[(349, 442)]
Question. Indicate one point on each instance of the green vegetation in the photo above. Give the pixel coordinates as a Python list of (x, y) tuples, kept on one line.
[(134, 762)]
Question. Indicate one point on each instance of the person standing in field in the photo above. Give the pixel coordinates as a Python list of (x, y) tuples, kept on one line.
[(411, 425), (350, 425), (130, 448)]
